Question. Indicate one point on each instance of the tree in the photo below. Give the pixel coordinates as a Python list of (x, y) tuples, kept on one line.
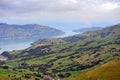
[(5, 53)]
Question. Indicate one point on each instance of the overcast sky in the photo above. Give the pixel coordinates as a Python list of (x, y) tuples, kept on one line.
[(58, 13)]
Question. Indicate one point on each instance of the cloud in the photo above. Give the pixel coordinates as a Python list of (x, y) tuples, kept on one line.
[(64, 10)]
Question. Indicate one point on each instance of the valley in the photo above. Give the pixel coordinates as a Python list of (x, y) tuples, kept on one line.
[(68, 58)]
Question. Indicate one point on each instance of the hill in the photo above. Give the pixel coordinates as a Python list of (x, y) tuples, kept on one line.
[(49, 41), (105, 32), (62, 60), (108, 71), (29, 31), (81, 30)]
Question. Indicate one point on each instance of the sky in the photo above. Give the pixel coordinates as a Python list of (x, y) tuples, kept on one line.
[(65, 15)]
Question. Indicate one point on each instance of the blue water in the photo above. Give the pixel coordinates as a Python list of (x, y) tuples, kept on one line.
[(10, 45), (7, 45)]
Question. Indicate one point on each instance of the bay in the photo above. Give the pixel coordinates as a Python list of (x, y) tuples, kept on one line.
[(10, 45)]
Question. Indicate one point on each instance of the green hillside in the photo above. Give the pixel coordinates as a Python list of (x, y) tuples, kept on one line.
[(62, 60), (108, 71), (102, 33), (110, 30)]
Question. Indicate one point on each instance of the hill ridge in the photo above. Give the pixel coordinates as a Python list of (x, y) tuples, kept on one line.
[(27, 31)]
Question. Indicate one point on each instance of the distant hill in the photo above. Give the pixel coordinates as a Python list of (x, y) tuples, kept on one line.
[(105, 32), (81, 30), (29, 31), (49, 41)]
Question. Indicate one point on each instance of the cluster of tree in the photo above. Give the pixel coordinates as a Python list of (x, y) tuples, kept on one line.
[(26, 77), (64, 75)]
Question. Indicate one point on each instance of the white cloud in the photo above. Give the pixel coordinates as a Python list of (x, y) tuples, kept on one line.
[(110, 6), (65, 10)]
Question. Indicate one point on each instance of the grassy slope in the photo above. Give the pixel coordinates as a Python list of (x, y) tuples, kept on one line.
[(108, 71), (73, 58), (3, 74), (68, 50)]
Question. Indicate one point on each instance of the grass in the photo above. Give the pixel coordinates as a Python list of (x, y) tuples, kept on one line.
[(65, 56), (37, 61), (4, 74), (12, 63), (108, 71)]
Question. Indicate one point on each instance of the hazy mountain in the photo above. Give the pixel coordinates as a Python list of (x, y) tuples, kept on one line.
[(29, 31), (105, 32), (81, 30)]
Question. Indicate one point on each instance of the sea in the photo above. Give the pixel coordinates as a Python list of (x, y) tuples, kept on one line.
[(10, 45)]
